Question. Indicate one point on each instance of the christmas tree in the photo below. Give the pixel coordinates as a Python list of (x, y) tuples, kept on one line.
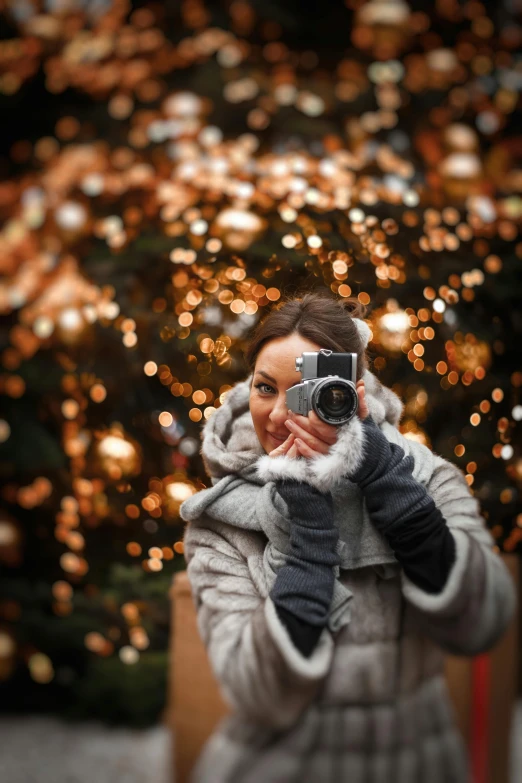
[(171, 172)]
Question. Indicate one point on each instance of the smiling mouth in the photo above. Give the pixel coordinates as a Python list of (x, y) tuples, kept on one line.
[(278, 439)]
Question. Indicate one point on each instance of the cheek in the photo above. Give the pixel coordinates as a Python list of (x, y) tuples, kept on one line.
[(259, 410)]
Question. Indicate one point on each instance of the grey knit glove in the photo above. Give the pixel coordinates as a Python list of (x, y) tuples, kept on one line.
[(403, 511), (304, 585), (390, 474)]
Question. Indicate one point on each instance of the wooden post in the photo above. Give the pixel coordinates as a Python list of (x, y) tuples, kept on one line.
[(195, 703)]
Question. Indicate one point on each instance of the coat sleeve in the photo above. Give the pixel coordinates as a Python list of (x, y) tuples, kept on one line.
[(260, 672), (479, 598)]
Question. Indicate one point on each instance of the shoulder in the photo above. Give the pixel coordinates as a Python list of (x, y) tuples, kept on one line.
[(430, 468), (450, 490)]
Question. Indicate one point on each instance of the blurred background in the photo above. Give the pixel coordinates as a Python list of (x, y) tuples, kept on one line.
[(170, 171)]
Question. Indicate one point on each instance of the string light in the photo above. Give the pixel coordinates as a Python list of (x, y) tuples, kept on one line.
[(367, 206)]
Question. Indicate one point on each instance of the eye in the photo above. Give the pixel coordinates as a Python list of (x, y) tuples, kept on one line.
[(258, 385)]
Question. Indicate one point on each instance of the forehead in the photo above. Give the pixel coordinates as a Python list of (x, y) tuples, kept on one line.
[(278, 356)]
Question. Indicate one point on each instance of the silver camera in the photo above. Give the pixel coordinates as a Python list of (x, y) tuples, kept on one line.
[(327, 387)]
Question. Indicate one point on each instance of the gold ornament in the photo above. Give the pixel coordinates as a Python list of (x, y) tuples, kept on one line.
[(238, 228), (174, 493), (7, 653), (383, 26), (115, 455), (391, 328), (10, 540), (461, 168), (469, 355)]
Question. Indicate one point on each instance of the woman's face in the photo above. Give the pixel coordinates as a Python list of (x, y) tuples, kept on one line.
[(274, 373)]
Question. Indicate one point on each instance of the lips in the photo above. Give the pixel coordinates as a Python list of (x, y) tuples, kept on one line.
[(279, 439)]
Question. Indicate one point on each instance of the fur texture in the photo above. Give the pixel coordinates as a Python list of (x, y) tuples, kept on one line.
[(325, 471), (371, 703), (373, 695), (365, 333)]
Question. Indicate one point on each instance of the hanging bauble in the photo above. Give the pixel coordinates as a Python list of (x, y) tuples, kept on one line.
[(383, 27), (238, 228), (391, 328), (461, 174), (459, 137), (7, 653), (469, 355), (114, 454), (11, 540), (174, 493)]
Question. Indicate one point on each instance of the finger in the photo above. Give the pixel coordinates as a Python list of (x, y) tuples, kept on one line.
[(327, 432), (311, 440), (284, 447), (315, 426), (288, 443), (293, 452), (305, 450), (363, 405)]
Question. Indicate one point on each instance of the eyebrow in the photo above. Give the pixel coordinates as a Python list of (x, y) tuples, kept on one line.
[(266, 375)]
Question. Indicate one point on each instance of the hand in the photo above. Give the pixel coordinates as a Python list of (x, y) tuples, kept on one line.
[(312, 435), (287, 448)]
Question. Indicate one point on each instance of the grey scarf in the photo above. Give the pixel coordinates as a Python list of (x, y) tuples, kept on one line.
[(243, 491)]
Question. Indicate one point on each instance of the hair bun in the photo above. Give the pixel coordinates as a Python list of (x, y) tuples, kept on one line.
[(365, 333)]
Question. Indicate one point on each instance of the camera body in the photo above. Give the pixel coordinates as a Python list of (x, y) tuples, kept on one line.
[(327, 386)]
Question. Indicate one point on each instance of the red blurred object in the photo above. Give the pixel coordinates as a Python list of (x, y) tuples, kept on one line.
[(479, 740)]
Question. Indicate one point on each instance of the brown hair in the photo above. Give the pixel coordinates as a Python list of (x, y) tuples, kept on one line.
[(316, 316)]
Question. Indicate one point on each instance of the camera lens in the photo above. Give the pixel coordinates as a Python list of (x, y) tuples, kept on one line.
[(335, 401)]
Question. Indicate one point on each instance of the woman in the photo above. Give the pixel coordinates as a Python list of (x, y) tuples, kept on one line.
[(331, 567)]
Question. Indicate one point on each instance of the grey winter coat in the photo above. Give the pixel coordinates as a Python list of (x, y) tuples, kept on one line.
[(370, 704)]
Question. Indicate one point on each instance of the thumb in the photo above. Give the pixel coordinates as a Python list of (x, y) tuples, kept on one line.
[(363, 411)]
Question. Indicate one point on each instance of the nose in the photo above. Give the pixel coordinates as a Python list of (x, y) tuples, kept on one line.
[(279, 413)]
